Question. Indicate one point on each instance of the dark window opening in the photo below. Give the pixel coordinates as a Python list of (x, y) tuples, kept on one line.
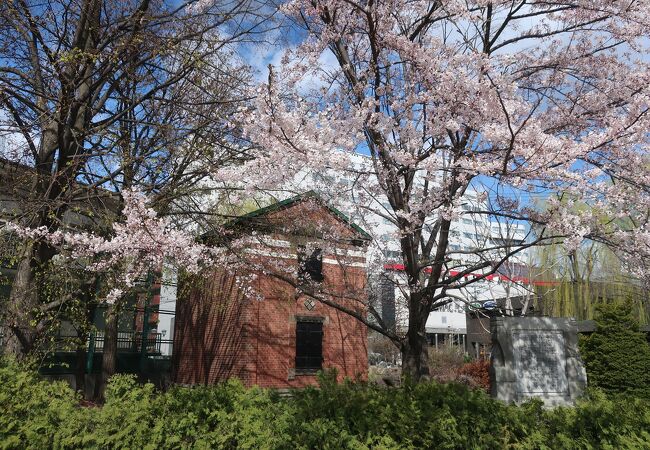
[(309, 346), (310, 266)]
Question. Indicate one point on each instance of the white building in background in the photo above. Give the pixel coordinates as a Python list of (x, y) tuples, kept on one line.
[(345, 191), (167, 309)]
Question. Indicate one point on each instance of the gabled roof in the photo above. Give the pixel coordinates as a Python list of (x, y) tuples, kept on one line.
[(297, 199)]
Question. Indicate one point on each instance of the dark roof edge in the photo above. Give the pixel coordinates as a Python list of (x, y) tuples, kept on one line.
[(298, 198)]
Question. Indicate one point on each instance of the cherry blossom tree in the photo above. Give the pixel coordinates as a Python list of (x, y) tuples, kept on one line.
[(514, 98), (518, 98), (142, 241), (137, 245)]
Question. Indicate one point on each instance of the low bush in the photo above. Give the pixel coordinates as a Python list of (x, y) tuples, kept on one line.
[(445, 362), (475, 374), (40, 414), (32, 410)]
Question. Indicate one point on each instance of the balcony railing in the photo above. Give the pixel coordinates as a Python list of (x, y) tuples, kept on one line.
[(129, 341)]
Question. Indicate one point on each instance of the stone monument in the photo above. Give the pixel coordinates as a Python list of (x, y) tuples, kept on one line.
[(536, 357)]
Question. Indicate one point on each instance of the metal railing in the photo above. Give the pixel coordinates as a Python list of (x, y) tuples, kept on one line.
[(128, 341)]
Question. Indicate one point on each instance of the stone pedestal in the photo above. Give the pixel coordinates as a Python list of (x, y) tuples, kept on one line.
[(536, 357)]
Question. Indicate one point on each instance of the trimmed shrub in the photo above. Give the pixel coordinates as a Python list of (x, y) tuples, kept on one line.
[(32, 411), (39, 414), (617, 354)]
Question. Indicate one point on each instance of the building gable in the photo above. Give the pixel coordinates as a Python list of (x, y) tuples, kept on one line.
[(305, 215)]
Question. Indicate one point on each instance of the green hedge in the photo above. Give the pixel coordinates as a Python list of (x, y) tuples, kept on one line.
[(41, 414)]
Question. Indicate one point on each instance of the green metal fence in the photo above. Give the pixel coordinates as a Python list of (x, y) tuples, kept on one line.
[(143, 350)]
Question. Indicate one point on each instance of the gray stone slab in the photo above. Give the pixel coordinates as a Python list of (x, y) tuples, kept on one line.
[(536, 357)]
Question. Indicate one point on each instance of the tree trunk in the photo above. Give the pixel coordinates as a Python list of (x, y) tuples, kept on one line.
[(80, 369), (109, 354), (576, 281), (415, 351), (18, 331), (16, 342), (82, 352), (22, 308)]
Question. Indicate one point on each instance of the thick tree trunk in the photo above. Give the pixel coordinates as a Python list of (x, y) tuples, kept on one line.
[(19, 334), (22, 309), (109, 355), (60, 131), (415, 351)]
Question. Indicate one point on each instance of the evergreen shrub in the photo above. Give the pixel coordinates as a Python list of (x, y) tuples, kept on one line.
[(40, 414), (617, 354)]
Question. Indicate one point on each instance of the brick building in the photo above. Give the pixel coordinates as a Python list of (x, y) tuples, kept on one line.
[(267, 331)]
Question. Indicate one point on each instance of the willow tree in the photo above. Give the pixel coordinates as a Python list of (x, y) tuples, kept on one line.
[(573, 284)]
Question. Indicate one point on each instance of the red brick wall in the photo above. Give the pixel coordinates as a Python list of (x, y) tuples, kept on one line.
[(209, 335), (273, 343), (220, 333)]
